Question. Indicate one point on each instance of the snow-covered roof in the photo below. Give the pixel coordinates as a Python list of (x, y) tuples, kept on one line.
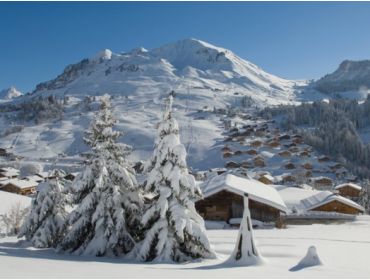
[(34, 178), (256, 190), (21, 184), (351, 185), (326, 197), (292, 196), (9, 171)]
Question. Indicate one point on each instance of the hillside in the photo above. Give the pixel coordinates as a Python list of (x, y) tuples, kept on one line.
[(351, 77), (203, 77)]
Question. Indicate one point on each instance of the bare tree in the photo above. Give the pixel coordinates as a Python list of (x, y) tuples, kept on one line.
[(13, 220)]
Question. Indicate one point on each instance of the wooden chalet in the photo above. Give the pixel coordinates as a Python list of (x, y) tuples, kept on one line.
[(223, 199), (251, 152), (256, 143), (321, 182), (326, 201), (23, 187), (285, 153), (349, 190)]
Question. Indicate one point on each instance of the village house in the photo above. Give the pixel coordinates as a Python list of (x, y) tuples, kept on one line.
[(289, 165), (251, 152), (323, 159), (326, 201), (256, 143), (321, 182), (350, 190), (258, 161), (226, 149), (267, 179), (232, 164), (272, 143), (23, 187), (307, 166), (227, 155), (305, 203), (285, 153), (223, 199)]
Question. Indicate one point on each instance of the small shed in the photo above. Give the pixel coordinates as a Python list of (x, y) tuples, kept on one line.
[(285, 153), (267, 179), (256, 143), (259, 161), (289, 165), (251, 152), (349, 190), (324, 159), (328, 202), (307, 166), (223, 199)]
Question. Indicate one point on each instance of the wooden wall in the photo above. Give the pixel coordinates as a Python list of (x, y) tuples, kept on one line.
[(225, 205), (348, 191), (14, 189)]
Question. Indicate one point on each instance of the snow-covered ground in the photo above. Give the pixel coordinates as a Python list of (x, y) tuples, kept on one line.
[(344, 250)]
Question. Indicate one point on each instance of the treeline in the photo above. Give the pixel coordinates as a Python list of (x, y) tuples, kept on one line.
[(332, 128), (36, 109)]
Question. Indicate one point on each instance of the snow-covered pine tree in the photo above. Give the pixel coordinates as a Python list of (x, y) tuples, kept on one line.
[(45, 225), (174, 230), (106, 195)]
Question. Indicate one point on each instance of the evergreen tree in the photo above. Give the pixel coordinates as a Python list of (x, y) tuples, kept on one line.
[(106, 194), (175, 231), (45, 224)]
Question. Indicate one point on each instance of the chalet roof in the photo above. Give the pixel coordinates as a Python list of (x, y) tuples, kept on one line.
[(351, 185), (9, 171), (21, 184), (326, 197), (34, 178), (256, 190), (315, 179)]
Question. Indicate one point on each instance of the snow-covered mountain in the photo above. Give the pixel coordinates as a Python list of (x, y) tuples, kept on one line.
[(188, 63), (9, 93), (202, 76), (352, 77)]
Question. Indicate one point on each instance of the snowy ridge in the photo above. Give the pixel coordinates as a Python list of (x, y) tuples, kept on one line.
[(351, 77), (203, 77)]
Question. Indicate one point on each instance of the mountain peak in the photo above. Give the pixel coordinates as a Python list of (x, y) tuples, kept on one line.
[(10, 93), (105, 54)]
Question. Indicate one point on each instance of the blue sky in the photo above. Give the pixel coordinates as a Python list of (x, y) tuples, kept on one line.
[(290, 39)]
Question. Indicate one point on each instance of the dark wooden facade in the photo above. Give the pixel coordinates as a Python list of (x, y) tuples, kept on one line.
[(225, 205), (336, 206), (349, 191), (14, 189)]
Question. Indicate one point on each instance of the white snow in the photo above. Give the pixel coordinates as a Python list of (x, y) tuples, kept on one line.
[(256, 190), (7, 200), (9, 93), (310, 259), (21, 184), (343, 248)]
